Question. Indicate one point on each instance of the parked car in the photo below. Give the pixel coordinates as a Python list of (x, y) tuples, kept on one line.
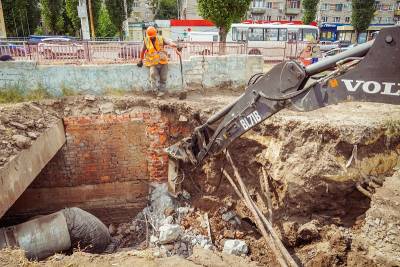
[(338, 50), (328, 45), (52, 48)]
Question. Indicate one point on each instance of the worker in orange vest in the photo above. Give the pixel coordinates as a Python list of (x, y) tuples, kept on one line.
[(156, 58)]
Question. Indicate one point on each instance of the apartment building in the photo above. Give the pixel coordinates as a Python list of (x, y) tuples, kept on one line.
[(275, 10), (334, 18), (189, 10), (141, 11)]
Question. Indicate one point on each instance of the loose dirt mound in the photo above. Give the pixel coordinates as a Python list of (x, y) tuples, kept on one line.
[(20, 124)]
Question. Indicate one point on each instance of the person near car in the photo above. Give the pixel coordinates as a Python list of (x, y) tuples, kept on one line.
[(154, 56)]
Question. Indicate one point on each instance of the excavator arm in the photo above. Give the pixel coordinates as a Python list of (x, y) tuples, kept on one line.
[(369, 72)]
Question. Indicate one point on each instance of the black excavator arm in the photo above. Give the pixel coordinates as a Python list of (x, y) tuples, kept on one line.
[(369, 72)]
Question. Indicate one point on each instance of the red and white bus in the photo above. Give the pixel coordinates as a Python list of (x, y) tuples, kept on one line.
[(274, 40)]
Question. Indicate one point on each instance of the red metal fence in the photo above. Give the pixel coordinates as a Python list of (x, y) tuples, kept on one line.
[(129, 52)]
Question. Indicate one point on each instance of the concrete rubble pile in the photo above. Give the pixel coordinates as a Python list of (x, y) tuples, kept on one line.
[(168, 231)]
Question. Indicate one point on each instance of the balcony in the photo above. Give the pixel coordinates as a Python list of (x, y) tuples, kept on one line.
[(258, 10), (397, 12), (292, 11)]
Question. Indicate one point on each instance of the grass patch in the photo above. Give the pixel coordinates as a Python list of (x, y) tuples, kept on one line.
[(66, 91), (15, 94), (38, 94), (11, 95)]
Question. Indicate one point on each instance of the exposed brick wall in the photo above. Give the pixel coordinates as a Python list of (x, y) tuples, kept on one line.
[(101, 154)]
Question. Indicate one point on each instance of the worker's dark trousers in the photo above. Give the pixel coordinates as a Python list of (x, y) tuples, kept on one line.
[(159, 73)]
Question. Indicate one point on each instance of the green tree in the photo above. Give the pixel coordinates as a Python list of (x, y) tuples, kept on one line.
[(71, 10), (21, 17), (223, 13), (362, 14), (105, 27), (116, 11), (167, 9), (310, 11), (52, 15)]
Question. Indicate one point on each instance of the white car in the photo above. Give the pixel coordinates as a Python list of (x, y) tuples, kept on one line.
[(52, 48), (327, 45)]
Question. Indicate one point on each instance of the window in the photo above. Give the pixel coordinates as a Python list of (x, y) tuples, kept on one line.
[(269, 18), (324, 6), (391, 7), (239, 34), (336, 19), (347, 6), (256, 34), (388, 20), (291, 18), (338, 7), (269, 5), (293, 3), (347, 20), (378, 5), (279, 18), (378, 20), (271, 34), (310, 35), (292, 34), (282, 36), (258, 3), (135, 4), (324, 19), (398, 6)]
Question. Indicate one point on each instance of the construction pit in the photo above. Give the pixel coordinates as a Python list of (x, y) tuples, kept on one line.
[(311, 168)]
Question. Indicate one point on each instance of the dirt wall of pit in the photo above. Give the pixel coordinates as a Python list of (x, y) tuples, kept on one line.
[(105, 167)]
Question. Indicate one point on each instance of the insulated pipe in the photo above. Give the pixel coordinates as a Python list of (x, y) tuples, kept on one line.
[(329, 62), (39, 238)]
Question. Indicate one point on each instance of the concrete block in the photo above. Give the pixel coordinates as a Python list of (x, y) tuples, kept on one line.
[(20, 171)]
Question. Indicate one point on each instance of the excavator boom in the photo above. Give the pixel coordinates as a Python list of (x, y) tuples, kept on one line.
[(369, 72)]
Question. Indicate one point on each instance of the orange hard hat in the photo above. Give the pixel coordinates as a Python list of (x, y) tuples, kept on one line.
[(151, 31)]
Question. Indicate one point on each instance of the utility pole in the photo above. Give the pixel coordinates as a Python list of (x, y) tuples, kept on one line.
[(125, 23), (91, 20), (2, 24), (82, 13)]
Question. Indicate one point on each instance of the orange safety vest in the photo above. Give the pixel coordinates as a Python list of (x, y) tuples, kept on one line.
[(155, 54)]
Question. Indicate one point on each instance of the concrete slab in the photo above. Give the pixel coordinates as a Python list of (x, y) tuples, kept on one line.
[(19, 172)]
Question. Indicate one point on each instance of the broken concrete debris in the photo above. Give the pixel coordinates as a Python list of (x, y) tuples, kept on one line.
[(235, 247), (169, 233)]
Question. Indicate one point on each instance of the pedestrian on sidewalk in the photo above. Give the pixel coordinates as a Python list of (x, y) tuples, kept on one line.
[(155, 57)]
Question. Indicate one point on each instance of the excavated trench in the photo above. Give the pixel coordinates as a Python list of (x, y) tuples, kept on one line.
[(114, 156)]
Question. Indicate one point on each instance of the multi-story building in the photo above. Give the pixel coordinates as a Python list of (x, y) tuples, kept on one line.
[(334, 19), (141, 11), (275, 10), (189, 10)]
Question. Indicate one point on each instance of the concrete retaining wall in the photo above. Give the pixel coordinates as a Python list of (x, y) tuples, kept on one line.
[(206, 72), (18, 173)]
